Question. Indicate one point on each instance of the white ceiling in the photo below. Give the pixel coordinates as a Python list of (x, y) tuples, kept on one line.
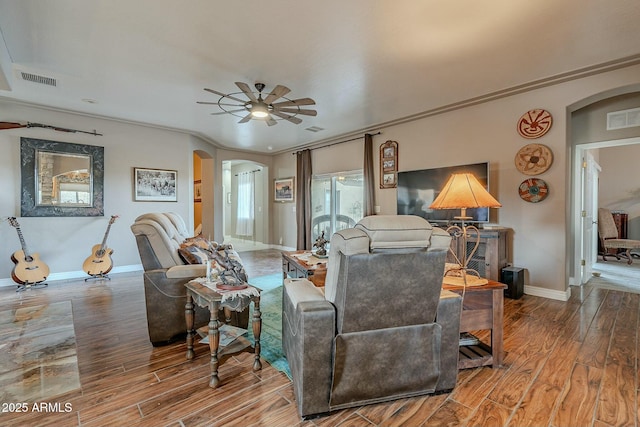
[(365, 62)]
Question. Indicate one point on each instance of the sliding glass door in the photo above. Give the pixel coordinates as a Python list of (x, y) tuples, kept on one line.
[(336, 202)]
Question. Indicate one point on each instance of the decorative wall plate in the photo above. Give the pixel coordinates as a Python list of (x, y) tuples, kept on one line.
[(534, 123), (533, 190), (533, 159)]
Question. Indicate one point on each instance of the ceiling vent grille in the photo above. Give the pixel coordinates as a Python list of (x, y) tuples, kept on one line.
[(623, 119), (35, 78), (314, 129)]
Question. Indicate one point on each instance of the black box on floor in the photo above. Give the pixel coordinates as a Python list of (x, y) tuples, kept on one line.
[(513, 277)]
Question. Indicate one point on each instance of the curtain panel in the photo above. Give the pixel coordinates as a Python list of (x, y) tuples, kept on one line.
[(369, 198), (303, 199)]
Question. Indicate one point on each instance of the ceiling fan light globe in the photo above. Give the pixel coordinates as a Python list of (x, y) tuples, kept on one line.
[(259, 114)]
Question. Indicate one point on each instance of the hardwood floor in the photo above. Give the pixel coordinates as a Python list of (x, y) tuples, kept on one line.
[(569, 363)]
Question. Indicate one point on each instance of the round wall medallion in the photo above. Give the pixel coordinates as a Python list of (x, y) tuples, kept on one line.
[(534, 123), (533, 190), (533, 159)]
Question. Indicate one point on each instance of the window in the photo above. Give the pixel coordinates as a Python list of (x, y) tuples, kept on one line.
[(336, 202), (246, 196)]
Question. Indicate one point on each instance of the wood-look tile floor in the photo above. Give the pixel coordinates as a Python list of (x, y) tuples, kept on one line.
[(571, 363)]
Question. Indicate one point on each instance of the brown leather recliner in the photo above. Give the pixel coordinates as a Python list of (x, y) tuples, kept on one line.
[(383, 329), (159, 236)]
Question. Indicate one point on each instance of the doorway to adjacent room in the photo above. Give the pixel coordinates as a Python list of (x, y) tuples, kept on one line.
[(245, 191)]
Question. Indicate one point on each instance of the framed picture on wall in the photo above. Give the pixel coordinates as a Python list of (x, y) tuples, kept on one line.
[(155, 185), (389, 164), (197, 191), (388, 180), (284, 189)]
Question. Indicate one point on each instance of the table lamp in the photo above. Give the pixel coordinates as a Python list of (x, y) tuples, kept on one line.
[(463, 191)]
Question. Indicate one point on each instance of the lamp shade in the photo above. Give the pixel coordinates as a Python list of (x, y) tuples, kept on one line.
[(463, 191)]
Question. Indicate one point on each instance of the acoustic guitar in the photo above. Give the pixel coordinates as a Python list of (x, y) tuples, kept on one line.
[(99, 262), (28, 269)]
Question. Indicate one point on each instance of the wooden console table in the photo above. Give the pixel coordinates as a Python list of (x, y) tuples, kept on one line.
[(205, 297), (295, 267), (482, 308)]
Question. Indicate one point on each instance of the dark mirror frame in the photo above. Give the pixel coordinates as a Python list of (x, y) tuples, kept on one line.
[(28, 206)]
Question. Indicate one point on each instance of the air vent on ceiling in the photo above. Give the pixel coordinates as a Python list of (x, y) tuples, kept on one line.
[(623, 119), (35, 78), (314, 129)]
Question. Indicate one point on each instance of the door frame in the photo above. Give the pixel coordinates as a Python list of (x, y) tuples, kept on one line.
[(589, 214), (576, 276)]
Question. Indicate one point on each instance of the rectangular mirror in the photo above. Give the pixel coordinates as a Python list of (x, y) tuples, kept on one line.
[(61, 179)]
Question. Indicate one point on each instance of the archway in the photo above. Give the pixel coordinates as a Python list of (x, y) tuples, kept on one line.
[(253, 236), (203, 185), (578, 142)]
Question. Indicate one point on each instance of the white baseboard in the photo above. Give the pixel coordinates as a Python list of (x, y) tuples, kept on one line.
[(127, 269), (548, 293), (69, 275), (7, 282)]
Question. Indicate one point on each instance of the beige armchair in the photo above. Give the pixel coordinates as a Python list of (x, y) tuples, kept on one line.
[(383, 329), (159, 236), (608, 233)]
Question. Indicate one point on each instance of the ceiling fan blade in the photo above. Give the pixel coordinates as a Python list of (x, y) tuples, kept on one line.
[(224, 95), (277, 92), (246, 118), (247, 91), (294, 102), (219, 103), (298, 111), (229, 112), (271, 121), (287, 117)]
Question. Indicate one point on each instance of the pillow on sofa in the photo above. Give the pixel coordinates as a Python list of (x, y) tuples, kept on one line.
[(200, 242), (193, 255)]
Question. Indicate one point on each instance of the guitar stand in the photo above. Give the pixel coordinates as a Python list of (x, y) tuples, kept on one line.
[(27, 285), (100, 276)]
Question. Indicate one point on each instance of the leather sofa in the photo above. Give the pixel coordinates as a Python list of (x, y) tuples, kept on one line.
[(159, 237), (383, 328)]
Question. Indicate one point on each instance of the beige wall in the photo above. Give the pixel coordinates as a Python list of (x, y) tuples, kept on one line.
[(619, 177), (223, 155), (487, 132), (484, 132), (261, 207), (619, 187), (589, 124), (64, 243), (283, 222)]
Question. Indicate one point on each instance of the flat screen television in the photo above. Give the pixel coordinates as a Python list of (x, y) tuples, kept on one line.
[(418, 189)]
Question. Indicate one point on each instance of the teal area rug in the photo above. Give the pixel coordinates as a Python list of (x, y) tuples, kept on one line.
[(271, 333), (266, 283)]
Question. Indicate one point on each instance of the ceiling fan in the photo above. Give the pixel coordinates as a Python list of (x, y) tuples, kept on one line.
[(258, 108)]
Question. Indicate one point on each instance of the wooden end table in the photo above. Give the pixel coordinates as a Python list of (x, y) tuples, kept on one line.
[(482, 308), (206, 297), (293, 266)]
